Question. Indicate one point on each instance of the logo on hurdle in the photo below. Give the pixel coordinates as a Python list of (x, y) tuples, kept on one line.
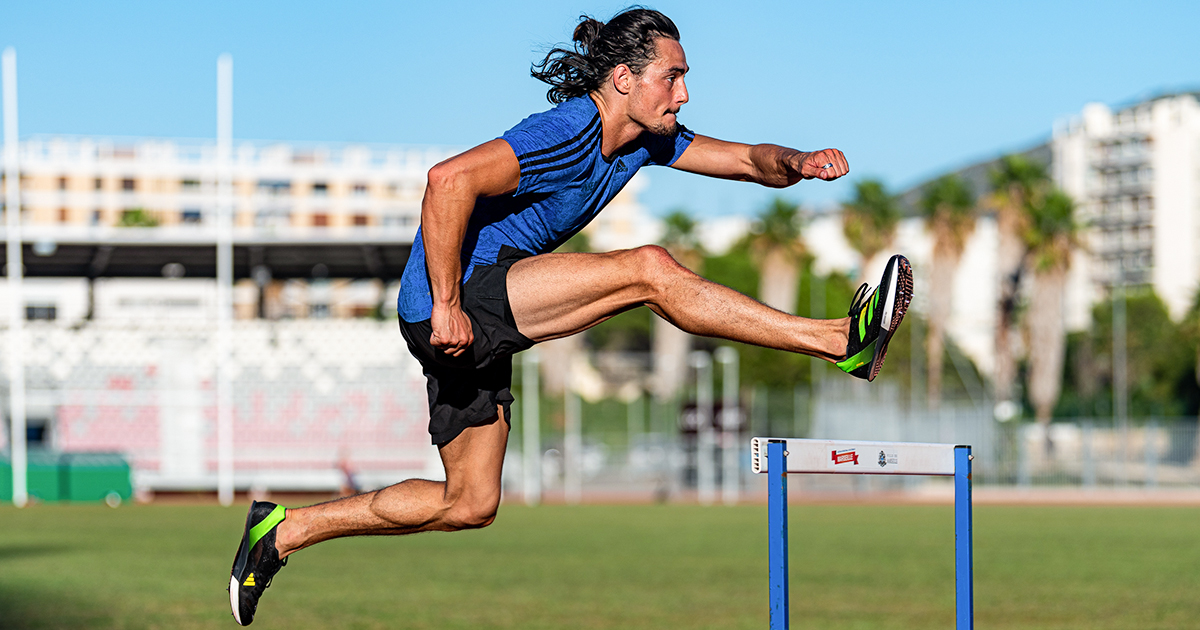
[(888, 458), (848, 456)]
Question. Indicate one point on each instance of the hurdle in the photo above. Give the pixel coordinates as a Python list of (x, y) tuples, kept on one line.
[(771, 456)]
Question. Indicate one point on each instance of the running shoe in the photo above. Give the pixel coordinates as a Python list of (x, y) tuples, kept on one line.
[(257, 560), (874, 318)]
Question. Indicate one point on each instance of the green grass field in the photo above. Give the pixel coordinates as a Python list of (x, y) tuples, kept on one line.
[(613, 567)]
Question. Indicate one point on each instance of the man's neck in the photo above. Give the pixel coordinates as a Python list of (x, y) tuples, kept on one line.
[(618, 129)]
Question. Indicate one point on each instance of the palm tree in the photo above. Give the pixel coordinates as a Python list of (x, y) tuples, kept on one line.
[(1016, 183), (869, 220), (778, 250), (670, 344), (949, 207), (1051, 236)]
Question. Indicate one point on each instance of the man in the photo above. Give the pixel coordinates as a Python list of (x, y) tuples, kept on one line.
[(481, 284)]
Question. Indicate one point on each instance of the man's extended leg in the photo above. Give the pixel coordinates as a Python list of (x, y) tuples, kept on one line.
[(555, 295), (467, 499)]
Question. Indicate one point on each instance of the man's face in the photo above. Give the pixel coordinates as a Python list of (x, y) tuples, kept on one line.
[(659, 92)]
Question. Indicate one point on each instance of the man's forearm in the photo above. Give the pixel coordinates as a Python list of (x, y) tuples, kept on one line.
[(776, 166), (444, 217)]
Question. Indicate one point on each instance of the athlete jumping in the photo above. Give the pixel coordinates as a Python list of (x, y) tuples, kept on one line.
[(482, 284)]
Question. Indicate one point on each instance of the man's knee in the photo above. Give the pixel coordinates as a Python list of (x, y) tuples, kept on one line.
[(656, 265), (472, 513)]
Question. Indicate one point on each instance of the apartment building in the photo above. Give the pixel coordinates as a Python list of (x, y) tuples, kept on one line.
[(320, 230), (1135, 174), (172, 183), (146, 208)]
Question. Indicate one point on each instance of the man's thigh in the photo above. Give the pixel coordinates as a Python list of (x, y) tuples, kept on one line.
[(556, 295), (474, 461)]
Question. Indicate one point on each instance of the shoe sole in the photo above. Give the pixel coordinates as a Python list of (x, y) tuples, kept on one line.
[(239, 566), (902, 286)]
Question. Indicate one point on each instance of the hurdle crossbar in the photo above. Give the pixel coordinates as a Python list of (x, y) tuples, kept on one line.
[(780, 456)]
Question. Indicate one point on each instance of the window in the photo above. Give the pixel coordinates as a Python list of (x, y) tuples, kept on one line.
[(97, 215), (36, 433), (64, 215), (320, 189), (275, 187), (128, 185), (318, 311), (360, 220), (137, 217), (360, 190), (192, 216), (278, 217), (62, 183), (99, 184), (41, 312), (320, 219), (190, 185)]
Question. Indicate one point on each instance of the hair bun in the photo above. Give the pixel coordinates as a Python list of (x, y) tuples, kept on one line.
[(587, 32)]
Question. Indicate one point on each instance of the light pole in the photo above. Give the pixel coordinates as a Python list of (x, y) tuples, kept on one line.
[(705, 438), (530, 429), (730, 415), (224, 279), (16, 273)]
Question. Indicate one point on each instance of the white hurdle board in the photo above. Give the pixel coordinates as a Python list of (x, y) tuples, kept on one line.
[(858, 458)]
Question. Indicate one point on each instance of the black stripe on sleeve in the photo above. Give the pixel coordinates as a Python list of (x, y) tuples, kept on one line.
[(566, 143), (557, 167), (583, 147)]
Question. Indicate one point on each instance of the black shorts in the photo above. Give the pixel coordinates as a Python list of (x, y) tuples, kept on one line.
[(465, 390)]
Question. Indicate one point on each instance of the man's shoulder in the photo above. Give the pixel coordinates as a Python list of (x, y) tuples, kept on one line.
[(569, 127)]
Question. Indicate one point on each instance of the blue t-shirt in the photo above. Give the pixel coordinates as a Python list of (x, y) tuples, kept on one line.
[(565, 182)]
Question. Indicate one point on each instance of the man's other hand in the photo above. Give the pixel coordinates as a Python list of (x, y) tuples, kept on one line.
[(826, 164), (451, 329)]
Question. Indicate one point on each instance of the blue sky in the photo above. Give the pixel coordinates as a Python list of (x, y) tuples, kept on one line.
[(907, 90)]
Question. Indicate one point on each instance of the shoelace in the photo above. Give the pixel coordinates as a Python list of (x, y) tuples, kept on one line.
[(860, 298)]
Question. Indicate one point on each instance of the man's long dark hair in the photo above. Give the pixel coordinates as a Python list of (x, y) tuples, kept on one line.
[(628, 39)]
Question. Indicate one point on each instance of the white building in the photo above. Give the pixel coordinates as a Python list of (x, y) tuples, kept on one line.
[(1135, 173)]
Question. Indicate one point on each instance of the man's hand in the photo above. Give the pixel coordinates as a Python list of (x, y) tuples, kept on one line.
[(767, 164), (451, 329), (826, 164)]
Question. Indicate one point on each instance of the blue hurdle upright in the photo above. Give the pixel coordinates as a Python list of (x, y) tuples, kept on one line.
[(779, 456)]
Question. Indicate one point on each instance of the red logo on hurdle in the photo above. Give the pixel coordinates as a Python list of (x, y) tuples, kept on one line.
[(844, 457)]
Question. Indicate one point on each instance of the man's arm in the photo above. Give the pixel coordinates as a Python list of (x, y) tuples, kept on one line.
[(488, 170), (766, 164)]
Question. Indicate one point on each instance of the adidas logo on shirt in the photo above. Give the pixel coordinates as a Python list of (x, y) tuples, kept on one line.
[(621, 166)]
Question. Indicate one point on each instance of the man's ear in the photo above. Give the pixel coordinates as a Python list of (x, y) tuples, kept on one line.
[(622, 78)]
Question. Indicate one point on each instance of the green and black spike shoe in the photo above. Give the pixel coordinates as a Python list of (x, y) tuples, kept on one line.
[(257, 560), (874, 318)]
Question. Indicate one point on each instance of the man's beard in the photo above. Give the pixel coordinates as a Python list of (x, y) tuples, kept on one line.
[(664, 129)]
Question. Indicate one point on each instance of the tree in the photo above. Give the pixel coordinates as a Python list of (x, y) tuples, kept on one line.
[(779, 252), (1050, 236), (671, 344), (869, 220), (1016, 182), (949, 208)]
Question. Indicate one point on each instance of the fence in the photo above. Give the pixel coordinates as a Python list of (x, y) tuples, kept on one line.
[(326, 404), (652, 459), (317, 404)]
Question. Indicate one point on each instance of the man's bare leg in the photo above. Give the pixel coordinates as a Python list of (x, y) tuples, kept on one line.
[(555, 295), (466, 500)]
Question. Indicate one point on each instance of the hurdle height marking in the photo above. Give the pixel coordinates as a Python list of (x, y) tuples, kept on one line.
[(770, 455)]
